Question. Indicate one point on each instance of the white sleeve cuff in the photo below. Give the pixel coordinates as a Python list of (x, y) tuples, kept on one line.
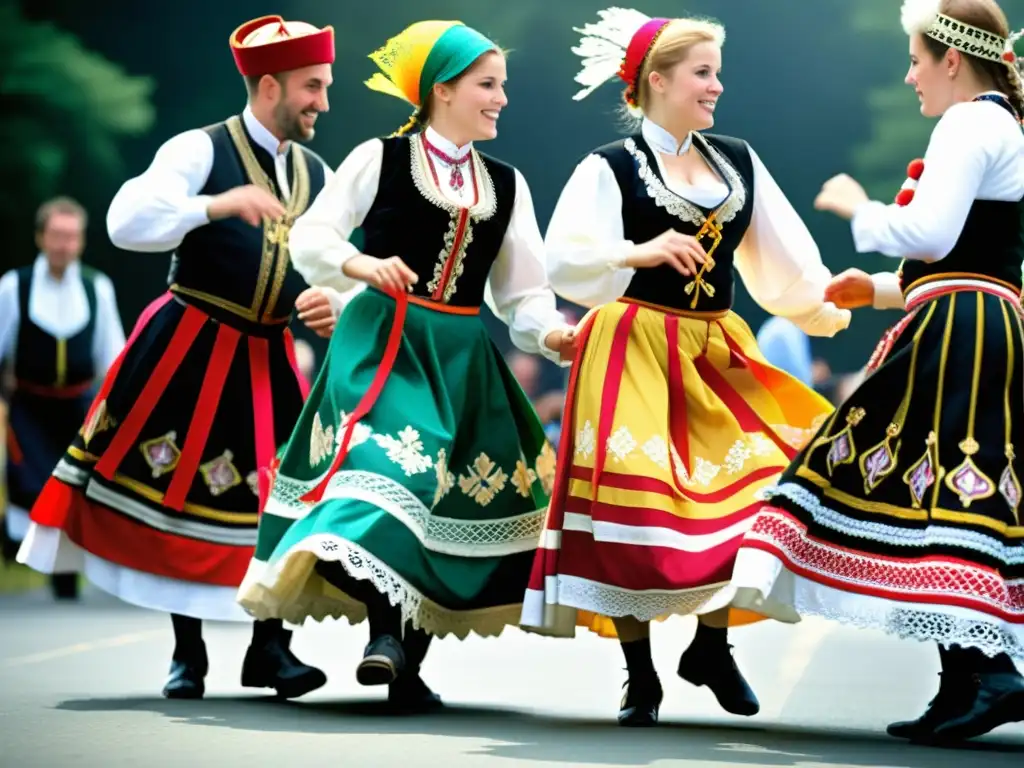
[(887, 291)]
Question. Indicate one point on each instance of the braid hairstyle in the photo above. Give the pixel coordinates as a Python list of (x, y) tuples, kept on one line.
[(1016, 82)]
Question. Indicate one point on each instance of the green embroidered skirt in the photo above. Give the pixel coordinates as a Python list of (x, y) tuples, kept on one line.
[(441, 496)]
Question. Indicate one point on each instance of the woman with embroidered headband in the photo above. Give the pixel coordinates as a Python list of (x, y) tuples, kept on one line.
[(413, 488), (904, 513), (674, 421)]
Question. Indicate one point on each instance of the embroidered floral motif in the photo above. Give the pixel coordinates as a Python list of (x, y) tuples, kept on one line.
[(445, 479), (585, 440), (484, 481), (621, 443), (406, 451), (220, 474), (656, 449), (760, 445), (545, 466), (704, 471), (360, 432), (161, 453), (522, 479), (737, 457), (321, 441)]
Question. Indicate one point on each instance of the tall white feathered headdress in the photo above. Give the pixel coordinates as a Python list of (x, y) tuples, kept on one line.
[(606, 43)]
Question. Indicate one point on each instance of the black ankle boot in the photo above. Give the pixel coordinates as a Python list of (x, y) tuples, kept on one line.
[(189, 662), (952, 699), (995, 698), (408, 693), (270, 663), (641, 702), (383, 661), (709, 661)]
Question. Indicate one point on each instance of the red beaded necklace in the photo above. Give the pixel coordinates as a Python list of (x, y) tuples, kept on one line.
[(457, 181)]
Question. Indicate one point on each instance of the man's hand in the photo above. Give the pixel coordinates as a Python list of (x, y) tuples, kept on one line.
[(249, 203)]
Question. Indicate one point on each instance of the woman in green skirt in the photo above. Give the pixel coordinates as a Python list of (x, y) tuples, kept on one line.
[(413, 489)]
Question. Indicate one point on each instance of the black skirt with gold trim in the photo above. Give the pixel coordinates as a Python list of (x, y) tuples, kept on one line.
[(903, 514)]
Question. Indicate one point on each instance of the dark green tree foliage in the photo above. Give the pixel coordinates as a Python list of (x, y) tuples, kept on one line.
[(65, 109)]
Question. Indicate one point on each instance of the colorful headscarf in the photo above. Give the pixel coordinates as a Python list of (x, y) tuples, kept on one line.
[(422, 55)]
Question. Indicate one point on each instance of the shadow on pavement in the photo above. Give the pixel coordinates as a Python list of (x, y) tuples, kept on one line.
[(522, 735)]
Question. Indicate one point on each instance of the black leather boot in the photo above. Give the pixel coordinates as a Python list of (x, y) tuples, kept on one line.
[(995, 698), (709, 661), (408, 693), (641, 702), (189, 663), (270, 663), (383, 661), (952, 700)]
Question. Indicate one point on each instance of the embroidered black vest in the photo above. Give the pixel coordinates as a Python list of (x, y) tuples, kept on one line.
[(237, 273), (44, 360), (649, 208), (449, 247), (991, 243)]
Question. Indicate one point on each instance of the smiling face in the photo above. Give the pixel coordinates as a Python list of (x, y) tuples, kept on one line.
[(472, 103), (931, 76), (298, 98), (689, 91)]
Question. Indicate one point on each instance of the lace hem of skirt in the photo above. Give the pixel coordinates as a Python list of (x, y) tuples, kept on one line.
[(286, 590)]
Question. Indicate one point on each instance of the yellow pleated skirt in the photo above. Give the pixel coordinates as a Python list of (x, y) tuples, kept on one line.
[(674, 425)]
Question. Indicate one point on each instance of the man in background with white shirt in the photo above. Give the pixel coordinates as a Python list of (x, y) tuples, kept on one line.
[(59, 332)]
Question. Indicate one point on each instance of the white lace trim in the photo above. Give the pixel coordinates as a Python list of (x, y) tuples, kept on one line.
[(288, 591), (461, 538), (421, 176), (934, 535), (903, 620), (607, 600), (680, 207)]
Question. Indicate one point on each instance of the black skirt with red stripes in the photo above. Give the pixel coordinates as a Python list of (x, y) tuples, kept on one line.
[(165, 475)]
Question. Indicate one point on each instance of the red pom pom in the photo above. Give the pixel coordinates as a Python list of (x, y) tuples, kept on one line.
[(1009, 56), (915, 169), (904, 196)]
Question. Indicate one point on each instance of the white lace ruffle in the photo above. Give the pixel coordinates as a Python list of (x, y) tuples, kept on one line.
[(289, 589), (616, 602)]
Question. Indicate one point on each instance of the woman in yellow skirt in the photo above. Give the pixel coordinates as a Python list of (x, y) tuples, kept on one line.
[(674, 420)]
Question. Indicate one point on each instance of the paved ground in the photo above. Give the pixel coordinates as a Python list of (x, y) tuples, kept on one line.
[(79, 685)]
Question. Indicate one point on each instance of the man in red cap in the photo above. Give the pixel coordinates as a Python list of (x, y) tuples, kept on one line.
[(158, 497)]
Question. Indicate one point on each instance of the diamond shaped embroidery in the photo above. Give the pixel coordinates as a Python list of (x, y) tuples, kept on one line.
[(1009, 486), (969, 483), (220, 474), (841, 451), (876, 465), (161, 453), (920, 478)]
